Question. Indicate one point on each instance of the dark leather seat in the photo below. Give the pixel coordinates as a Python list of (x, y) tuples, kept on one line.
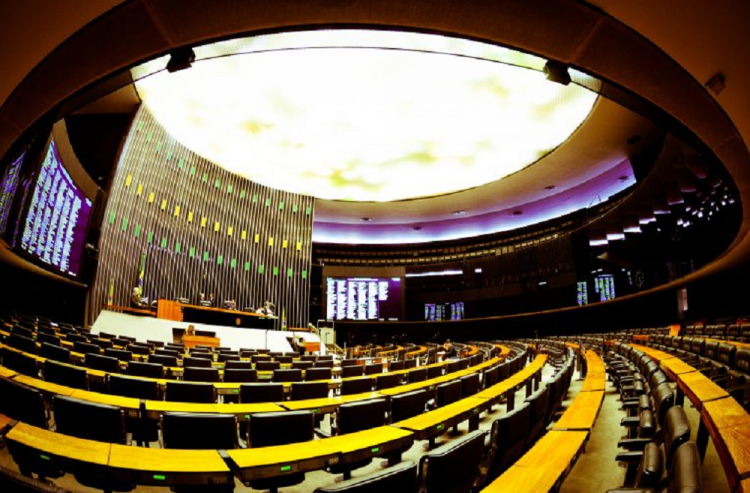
[(199, 431), (261, 392), (102, 363), (352, 371), (55, 353), (233, 364), (191, 374), (314, 374), (417, 375), (409, 404), (190, 392), (267, 365), (402, 478), (469, 384), (356, 386), (508, 439), (309, 390), (453, 467), (22, 403), (354, 417), (68, 376), (388, 380), (150, 370), (448, 393), (287, 375), (240, 375), (196, 362)]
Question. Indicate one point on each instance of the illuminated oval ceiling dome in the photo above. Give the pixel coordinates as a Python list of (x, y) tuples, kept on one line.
[(364, 115)]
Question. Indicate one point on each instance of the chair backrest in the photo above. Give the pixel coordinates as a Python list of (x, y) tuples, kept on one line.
[(85, 347), (268, 429), (309, 390), (22, 331), (410, 363), (69, 376), (452, 367), (404, 406), (417, 375), (41, 337), (711, 350), (196, 362), (304, 365), (103, 363), (697, 345), (134, 387), (374, 369), (742, 360), (151, 370), (352, 371), (463, 363), (25, 365), (102, 343), (651, 467), (167, 352), (402, 478), (434, 371), (448, 392), (121, 354), (240, 375), (362, 415), (676, 432), (453, 467), (283, 359), (22, 403), (192, 374), (310, 357), (290, 375), (133, 349), (323, 363), (190, 392), (726, 353), (232, 365), (261, 392), (539, 402), (268, 366), (470, 384), (686, 473), (163, 359), (25, 344), (318, 374), (89, 420), (55, 353), (199, 431), (663, 397), (356, 386), (395, 366), (491, 377), (509, 435), (388, 380)]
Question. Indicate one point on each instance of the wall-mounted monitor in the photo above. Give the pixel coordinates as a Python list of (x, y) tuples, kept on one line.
[(436, 312), (363, 298), (604, 286), (583, 293), (56, 222), (9, 181)]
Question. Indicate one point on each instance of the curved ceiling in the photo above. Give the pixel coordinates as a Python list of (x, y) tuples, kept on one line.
[(365, 116)]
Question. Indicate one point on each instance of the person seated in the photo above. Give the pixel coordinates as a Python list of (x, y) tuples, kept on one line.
[(449, 349), (267, 309), (190, 331), (203, 301), (230, 304), (298, 344), (137, 300)]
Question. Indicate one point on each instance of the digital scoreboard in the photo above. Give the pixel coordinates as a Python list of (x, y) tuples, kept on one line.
[(363, 298)]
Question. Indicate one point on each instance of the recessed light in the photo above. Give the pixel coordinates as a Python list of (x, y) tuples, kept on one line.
[(458, 213), (365, 219), (634, 139), (549, 188), (517, 213), (417, 228), (623, 178)]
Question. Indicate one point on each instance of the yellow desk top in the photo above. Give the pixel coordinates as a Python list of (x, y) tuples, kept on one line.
[(595, 381), (4, 422), (6, 372), (112, 400), (247, 409), (295, 452), (440, 415), (60, 445), (654, 353), (729, 426), (498, 389), (542, 466), (193, 407), (582, 412), (166, 460), (675, 366), (699, 388), (44, 386), (328, 401)]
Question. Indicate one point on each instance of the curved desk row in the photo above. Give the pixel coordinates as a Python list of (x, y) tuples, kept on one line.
[(722, 417)]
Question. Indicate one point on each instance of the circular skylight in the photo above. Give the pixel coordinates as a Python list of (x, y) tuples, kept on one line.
[(365, 123)]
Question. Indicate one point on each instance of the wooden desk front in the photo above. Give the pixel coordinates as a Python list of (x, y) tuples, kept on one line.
[(192, 341), (728, 425)]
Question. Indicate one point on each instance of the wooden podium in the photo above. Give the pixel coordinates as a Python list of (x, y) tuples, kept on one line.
[(192, 341), (169, 310)]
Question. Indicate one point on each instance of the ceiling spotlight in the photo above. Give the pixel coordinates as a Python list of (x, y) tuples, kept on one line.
[(717, 83), (458, 213), (557, 72), (549, 188), (517, 212), (634, 139), (622, 178), (365, 219), (417, 228), (180, 59)]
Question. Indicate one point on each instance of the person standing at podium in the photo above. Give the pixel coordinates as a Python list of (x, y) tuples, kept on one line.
[(267, 309)]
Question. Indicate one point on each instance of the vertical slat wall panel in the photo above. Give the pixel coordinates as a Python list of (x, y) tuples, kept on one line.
[(192, 249)]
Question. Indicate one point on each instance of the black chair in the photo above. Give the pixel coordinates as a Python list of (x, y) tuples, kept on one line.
[(196, 362), (417, 375), (356, 386), (25, 344), (68, 376), (167, 351), (89, 420), (134, 387), (56, 353), (103, 363), (303, 365), (374, 369), (318, 374), (22, 403), (22, 331), (162, 359), (261, 392), (155, 343), (309, 390), (190, 392), (453, 467), (240, 375), (270, 366), (199, 431), (269, 429), (434, 371), (102, 343), (402, 478), (452, 366), (134, 349), (21, 363), (404, 406), (283, 359), (191, 374), (388, 380), (323, 363), (463, 363), (469, 384), (352, 371), (508, 439), (233, 365), (41, 338), (287, 375), (311, 357), (85, 347), (354, 417), (150, 370), (448, 393), (410, 363), (539, 402), (395, 366), (122, 354), (224, 357)]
